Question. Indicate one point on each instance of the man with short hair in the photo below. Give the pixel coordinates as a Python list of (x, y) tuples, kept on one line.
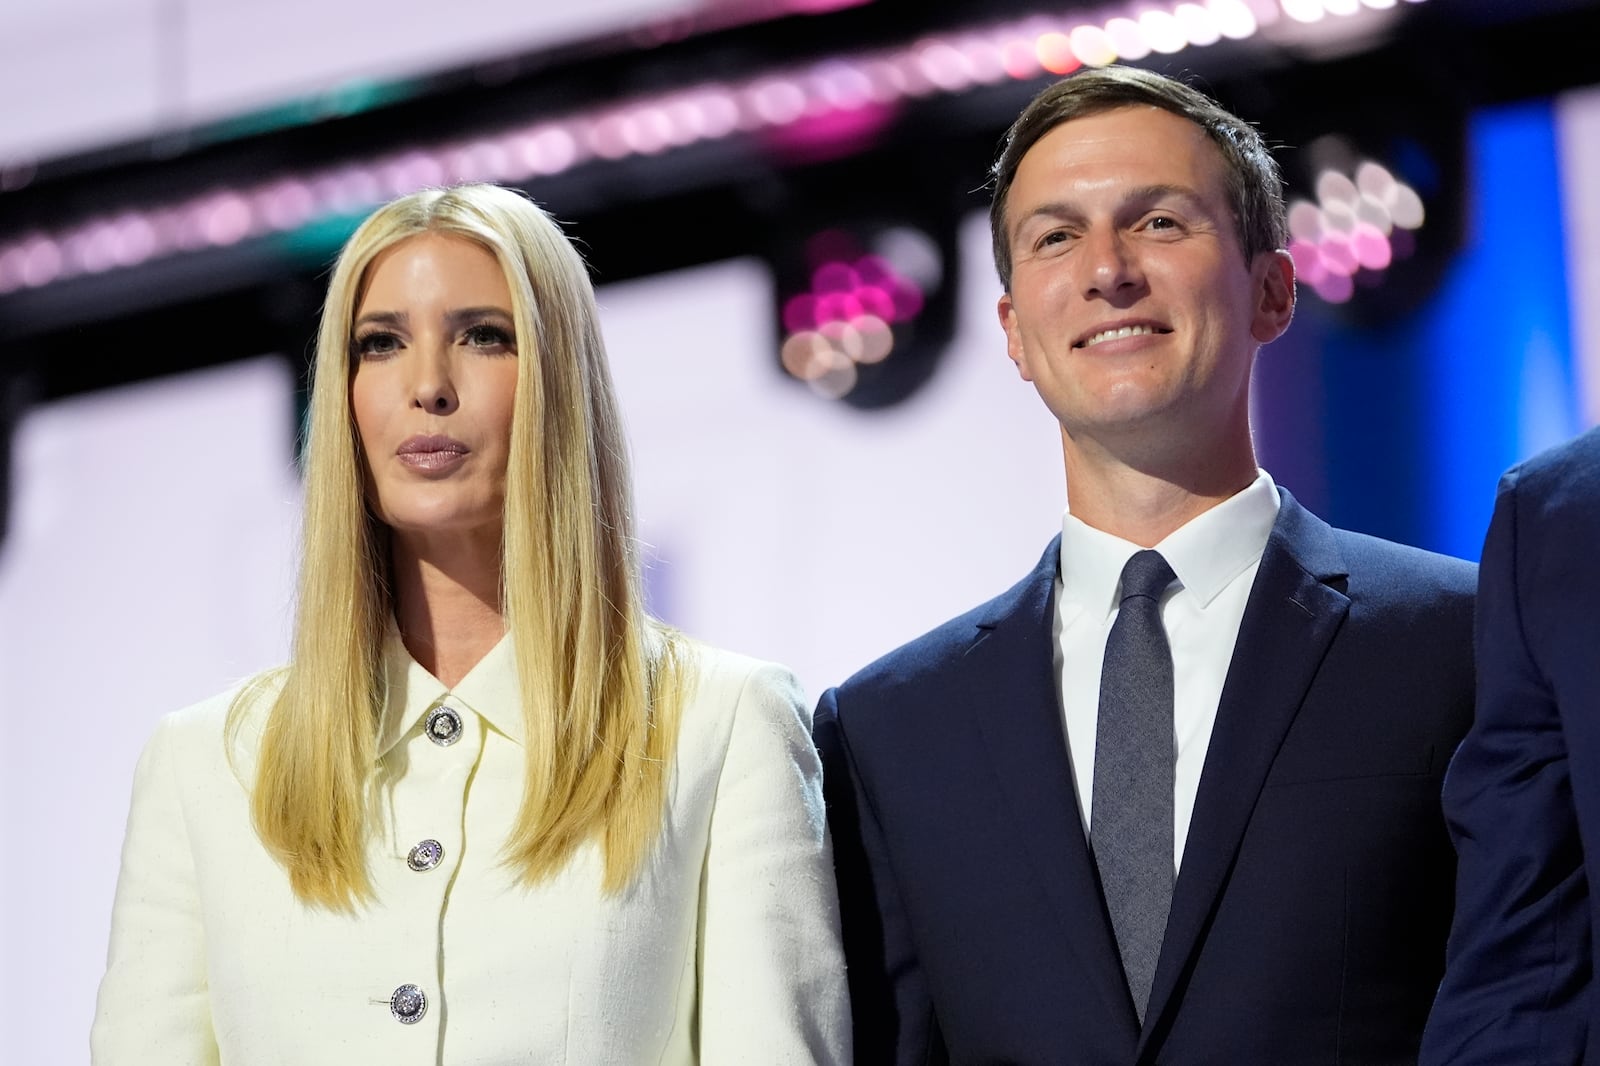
[(1173, 798)]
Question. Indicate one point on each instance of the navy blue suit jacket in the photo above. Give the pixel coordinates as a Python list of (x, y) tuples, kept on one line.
[(1523, 794), (1309, 919)]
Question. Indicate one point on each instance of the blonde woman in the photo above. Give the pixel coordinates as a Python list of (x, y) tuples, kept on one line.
[(491, 812)]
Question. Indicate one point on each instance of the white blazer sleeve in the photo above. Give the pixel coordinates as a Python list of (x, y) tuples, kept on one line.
[(153, 1007), (771, 967)]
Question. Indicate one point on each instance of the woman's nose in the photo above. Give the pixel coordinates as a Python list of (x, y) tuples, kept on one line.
[(434, 391)]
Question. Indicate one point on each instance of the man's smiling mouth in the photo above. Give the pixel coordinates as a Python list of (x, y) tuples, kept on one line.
[(1118, 332)]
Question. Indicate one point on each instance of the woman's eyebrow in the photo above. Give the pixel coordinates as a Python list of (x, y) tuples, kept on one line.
[(383, 318), (400, 319), (465, 313)]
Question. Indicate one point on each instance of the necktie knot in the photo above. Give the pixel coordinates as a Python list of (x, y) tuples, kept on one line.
[(1146, 574)]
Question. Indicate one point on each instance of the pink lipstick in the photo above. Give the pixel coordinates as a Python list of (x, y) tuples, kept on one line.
[(434, 453)]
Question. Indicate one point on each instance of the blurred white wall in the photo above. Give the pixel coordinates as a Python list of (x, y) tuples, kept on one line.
[(147, 565), (1578, 131), (77, 73)]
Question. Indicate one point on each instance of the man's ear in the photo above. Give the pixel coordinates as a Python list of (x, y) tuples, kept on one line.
[(1008, 322), (1275, 305)]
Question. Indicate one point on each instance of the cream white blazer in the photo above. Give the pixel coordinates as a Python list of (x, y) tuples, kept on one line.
[(724, 950)]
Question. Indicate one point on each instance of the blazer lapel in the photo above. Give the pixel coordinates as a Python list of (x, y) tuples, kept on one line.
[(1012, 678), (1290, 620)]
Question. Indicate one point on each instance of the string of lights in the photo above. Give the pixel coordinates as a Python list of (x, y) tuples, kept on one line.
[(845, 85)]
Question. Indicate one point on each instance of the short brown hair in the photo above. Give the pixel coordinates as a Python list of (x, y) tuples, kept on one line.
[(1255, 188)]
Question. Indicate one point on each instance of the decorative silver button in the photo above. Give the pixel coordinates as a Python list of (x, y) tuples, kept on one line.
[(425, 856), (408, 1004), (443, 727)]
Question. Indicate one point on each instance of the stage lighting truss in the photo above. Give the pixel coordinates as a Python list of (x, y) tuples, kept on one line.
[(645, 126)]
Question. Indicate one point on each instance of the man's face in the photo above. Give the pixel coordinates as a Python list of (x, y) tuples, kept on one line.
[(1132, 308)]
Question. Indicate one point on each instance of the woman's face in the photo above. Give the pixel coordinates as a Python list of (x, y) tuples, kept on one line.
[(434, 353)]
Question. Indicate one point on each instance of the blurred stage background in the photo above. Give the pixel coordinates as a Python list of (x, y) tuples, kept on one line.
[(767, 191)]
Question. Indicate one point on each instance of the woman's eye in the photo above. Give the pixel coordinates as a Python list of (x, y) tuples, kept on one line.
[(377, 345), (484, 335)]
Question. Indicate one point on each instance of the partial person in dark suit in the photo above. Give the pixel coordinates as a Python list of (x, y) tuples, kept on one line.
[(1180, 805), (1522, 796)]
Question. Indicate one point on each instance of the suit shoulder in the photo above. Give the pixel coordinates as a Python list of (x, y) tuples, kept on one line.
[(929, 659), (208, 718), (1560, 485), (1389, 570), (725, 686), (716, 673), (204, 744), (202, 751), (1576, 461)]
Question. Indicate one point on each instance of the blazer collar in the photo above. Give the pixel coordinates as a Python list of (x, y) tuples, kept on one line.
[(490, 690), (1296, 607)]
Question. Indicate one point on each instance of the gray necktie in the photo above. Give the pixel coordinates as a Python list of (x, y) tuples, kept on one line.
[(1130, 827)]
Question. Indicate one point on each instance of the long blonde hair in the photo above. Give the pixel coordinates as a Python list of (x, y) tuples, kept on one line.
[(602, 683)]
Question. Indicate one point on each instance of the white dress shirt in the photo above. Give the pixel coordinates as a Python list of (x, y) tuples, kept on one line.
[(1215, 557), (724, 950)]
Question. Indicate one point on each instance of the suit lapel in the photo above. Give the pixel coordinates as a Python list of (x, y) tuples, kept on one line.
[(1289, 622), (1012, 684)]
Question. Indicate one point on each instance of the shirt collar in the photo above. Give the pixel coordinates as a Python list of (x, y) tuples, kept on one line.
[(1213, 548), (491, 690), (1206, 553)]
